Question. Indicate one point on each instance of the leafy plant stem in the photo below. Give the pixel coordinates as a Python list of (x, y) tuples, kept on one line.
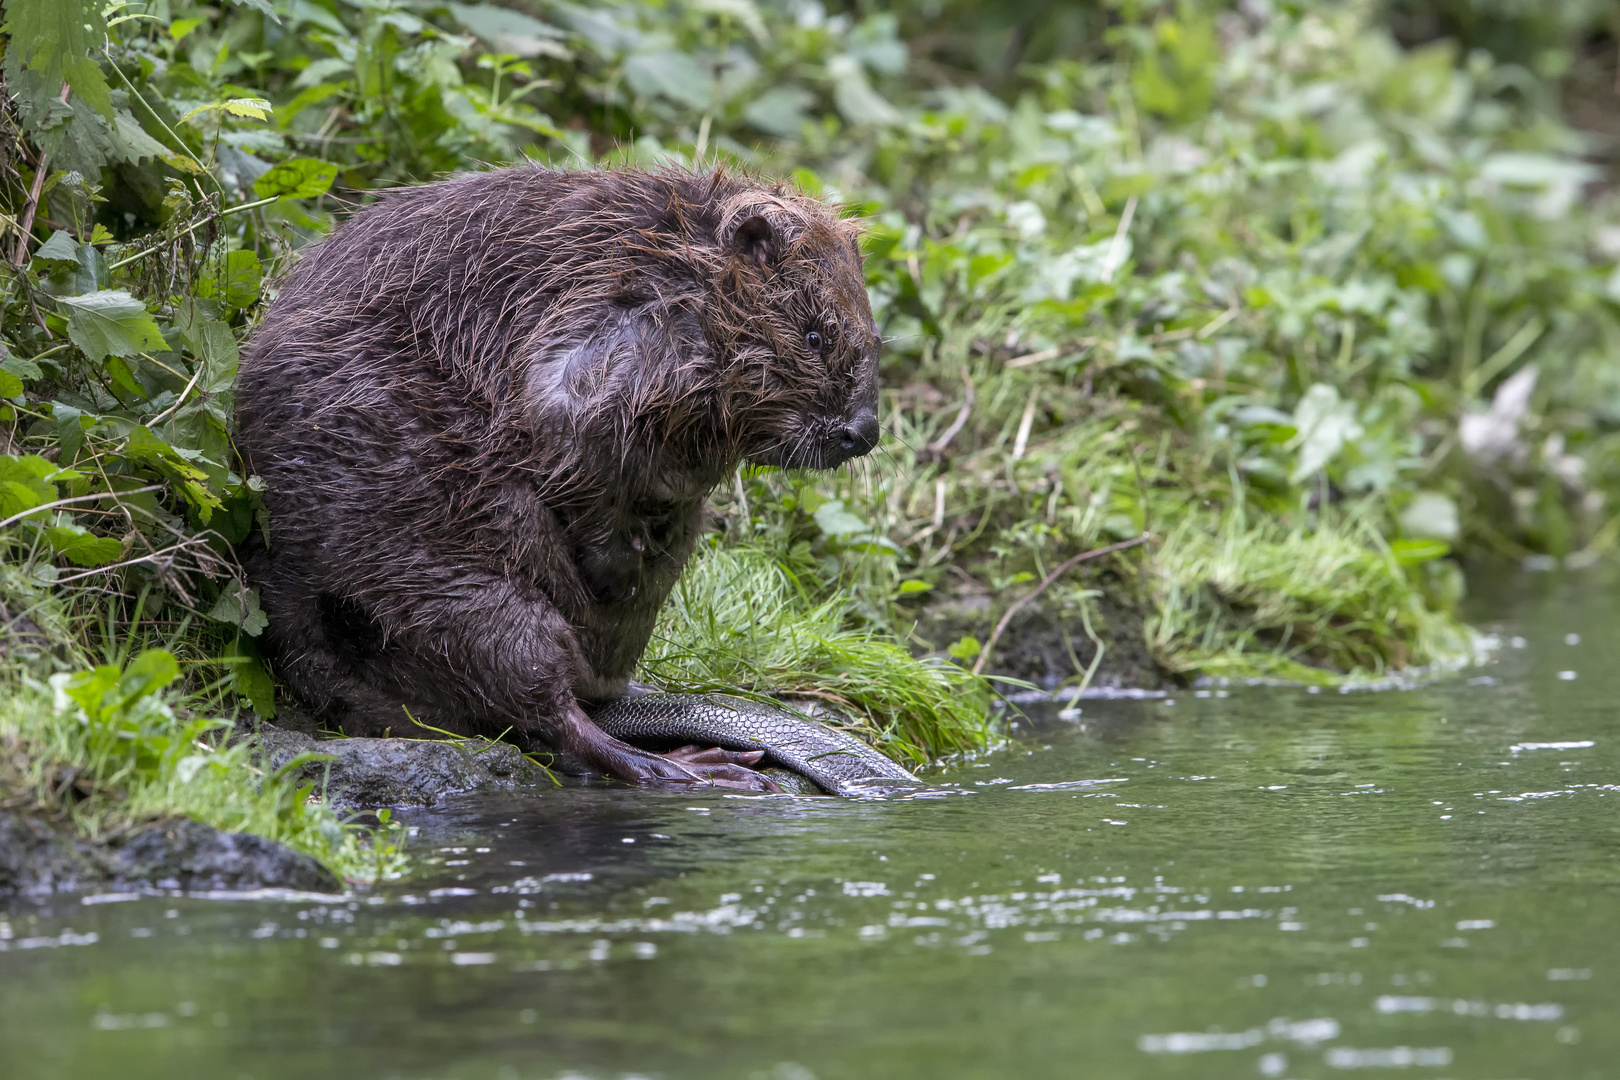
[(1062, 568), (14, 518), (193, 227)]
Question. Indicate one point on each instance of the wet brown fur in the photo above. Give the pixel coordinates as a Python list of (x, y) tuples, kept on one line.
[(488, 412)]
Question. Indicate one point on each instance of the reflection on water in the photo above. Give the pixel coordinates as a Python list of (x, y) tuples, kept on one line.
[(1227, 882)]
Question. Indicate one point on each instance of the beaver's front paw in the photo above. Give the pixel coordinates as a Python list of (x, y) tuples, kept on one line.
[(725, 768)]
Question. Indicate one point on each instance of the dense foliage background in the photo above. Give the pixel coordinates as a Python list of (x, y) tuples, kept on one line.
[(1322, 296)]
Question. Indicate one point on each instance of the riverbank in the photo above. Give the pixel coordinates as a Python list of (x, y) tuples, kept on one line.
[(114, 776), (1181, 887), (1260, 315)]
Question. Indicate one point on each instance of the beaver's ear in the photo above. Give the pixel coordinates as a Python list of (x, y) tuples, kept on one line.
[(754, 239)]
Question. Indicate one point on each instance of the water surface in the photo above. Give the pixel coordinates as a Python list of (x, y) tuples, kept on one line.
[(1230, 882)]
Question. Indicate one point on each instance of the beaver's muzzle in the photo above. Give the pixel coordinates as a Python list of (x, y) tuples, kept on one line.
[(852, 439)]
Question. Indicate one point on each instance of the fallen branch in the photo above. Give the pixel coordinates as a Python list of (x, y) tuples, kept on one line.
[(1062, 568)]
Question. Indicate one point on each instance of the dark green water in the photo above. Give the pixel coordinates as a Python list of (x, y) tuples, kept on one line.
[(1267, 883)]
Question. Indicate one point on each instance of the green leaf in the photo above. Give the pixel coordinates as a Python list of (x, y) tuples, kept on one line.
[(69, 429), (82, 547), (1415, 552), (296, 178), (834, 520), (212, 342), (129, 142), (22, 483), (235, 281), (251, 681), (61, 246), (181, 27), (252, 108), (510, 31), (148, 673), (90, 689), (110, 322), (854, 96), (673, 75), (19, 366), (1324, 423), (145, 447), (913, 586), (261, 6), (743, 11), (310, 95), (1431, 516), (10, 385), (59, 41), (123, 380), (780, 111), (965, 649), (238, 605)]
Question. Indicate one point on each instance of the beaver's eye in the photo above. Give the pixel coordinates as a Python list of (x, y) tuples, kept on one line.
[(813, 340)]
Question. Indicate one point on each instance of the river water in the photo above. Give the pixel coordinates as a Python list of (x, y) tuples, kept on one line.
[(1249, 882)]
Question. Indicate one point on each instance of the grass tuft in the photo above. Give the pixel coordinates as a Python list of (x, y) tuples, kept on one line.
[(1253, 598), (739, 620)]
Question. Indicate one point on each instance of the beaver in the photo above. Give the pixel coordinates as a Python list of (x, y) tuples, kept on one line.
[(488, 412)]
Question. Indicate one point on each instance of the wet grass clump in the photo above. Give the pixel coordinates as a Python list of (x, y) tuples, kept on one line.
[(740, 620), (1307, 605)]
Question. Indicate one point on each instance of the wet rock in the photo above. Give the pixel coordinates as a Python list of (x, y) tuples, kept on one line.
[(36, 857), (189, 855), (398, 772), (42, 856)]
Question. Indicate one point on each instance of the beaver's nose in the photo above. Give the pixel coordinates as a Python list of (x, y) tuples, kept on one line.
[(859, 435)]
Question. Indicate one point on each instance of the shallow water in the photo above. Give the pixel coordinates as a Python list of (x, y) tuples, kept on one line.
[(1260, 882)]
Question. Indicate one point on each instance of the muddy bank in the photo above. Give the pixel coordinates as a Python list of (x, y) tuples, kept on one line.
[(39, 855), (1046, 642)]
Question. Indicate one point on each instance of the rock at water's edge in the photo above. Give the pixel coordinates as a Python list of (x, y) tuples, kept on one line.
[(398, 772), (40, 856)]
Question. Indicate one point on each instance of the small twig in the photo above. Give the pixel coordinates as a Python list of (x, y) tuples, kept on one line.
[(177, 401), (1116, 249), (1079, 345), (26, 225), (1216, 323), (742, 501), (1033, 358), (1059, 571), (14, 518), (1025, 423), (935, 449), (161, 553)]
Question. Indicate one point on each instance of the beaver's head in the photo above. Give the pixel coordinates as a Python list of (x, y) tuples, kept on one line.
[(800, 347)]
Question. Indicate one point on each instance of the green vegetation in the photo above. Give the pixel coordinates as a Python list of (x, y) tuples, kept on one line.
[(1321, 313), (111, 747)]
